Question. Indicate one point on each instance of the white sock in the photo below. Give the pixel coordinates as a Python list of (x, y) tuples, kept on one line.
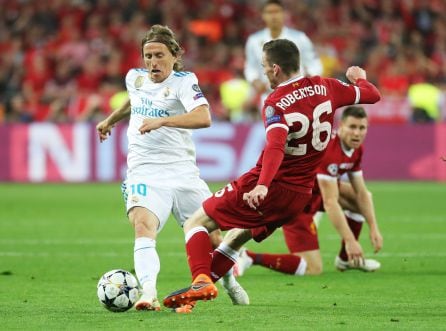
[(354, 216), (147, 264), (301, 268), (228, 280)]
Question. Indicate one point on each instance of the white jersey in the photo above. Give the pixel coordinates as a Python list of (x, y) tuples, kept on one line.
[(166, 147), (310, 63)]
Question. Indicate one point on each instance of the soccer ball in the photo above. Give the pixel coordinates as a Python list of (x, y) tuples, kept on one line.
[(118, 290)]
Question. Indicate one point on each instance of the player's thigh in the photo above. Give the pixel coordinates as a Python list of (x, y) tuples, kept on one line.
[(188, 198), (138, 193), (301, 234)]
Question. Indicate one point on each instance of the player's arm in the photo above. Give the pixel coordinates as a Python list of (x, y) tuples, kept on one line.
[(199, 117), (104, 127), (366, 91), (366, 208), (330, 197), (273, 154)]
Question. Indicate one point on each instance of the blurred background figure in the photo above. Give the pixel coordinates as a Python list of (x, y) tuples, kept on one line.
[(425, 100), (274, 15)]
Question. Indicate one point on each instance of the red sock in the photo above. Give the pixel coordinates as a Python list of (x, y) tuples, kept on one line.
[(356, 228), (221, 264), (199, 253), (285, 263)]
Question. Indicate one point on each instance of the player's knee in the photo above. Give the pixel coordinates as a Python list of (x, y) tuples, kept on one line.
[(314, 270), (314, 266), (143, 224)]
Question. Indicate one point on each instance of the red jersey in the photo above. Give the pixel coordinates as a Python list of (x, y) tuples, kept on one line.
[(338, 160), (305, 108)]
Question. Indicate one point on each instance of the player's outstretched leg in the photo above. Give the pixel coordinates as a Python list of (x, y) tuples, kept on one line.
[(202, 288)]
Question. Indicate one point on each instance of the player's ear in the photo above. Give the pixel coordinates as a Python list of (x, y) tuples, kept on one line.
[(276, 69)]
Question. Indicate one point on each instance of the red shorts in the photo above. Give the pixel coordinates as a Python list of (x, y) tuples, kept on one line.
[(301, 234), (227, 208)]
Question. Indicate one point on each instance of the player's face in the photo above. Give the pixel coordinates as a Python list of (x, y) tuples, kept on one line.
[(353, 131), (158, 60), (273, 16), (268, 69)]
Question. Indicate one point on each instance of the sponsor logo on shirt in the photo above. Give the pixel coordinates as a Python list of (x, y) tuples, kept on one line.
[(147, 109), (346, 165), (198, 96)]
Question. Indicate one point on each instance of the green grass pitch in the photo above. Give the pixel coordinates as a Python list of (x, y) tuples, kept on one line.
[(56, 240)]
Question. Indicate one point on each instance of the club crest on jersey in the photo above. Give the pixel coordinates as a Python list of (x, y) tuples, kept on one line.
[(333, 169), (196, 88), (166, 92), (134, 199), (138, 81)]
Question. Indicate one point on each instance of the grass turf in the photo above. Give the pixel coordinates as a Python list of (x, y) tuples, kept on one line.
[(56, 240)]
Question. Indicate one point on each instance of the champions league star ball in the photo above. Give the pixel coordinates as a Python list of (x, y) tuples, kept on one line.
[(118, 290)]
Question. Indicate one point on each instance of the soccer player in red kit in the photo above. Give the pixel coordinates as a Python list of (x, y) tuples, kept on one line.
[(298, 117), (348, 205)]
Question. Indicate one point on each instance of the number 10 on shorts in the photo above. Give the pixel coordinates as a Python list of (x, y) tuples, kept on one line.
[(140, 189)]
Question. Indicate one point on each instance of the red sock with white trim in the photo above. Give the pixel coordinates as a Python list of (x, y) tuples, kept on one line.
[(223, 259), (199, 251), (285, 263), (356, 228)]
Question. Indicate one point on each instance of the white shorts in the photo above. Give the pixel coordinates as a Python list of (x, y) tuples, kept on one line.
[(181, 197)]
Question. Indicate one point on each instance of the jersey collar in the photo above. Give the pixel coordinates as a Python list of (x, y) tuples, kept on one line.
[(348, 152), (291, 80)]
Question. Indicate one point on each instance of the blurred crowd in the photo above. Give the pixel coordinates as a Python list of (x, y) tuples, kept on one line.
[(65, 60)]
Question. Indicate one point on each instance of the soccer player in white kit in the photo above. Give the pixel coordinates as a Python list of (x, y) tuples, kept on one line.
[(273, 15), (162, 176)]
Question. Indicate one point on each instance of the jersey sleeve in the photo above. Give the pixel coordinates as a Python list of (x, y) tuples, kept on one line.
[(357, 168), (347, 94), (327, 171), (130, 79), (273, 118), (190, 94)]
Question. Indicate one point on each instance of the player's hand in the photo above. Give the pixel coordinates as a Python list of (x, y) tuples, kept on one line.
[(376, 239), (254, 197), (354, 253), (104, 130), (150, 124), (354, 73)]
